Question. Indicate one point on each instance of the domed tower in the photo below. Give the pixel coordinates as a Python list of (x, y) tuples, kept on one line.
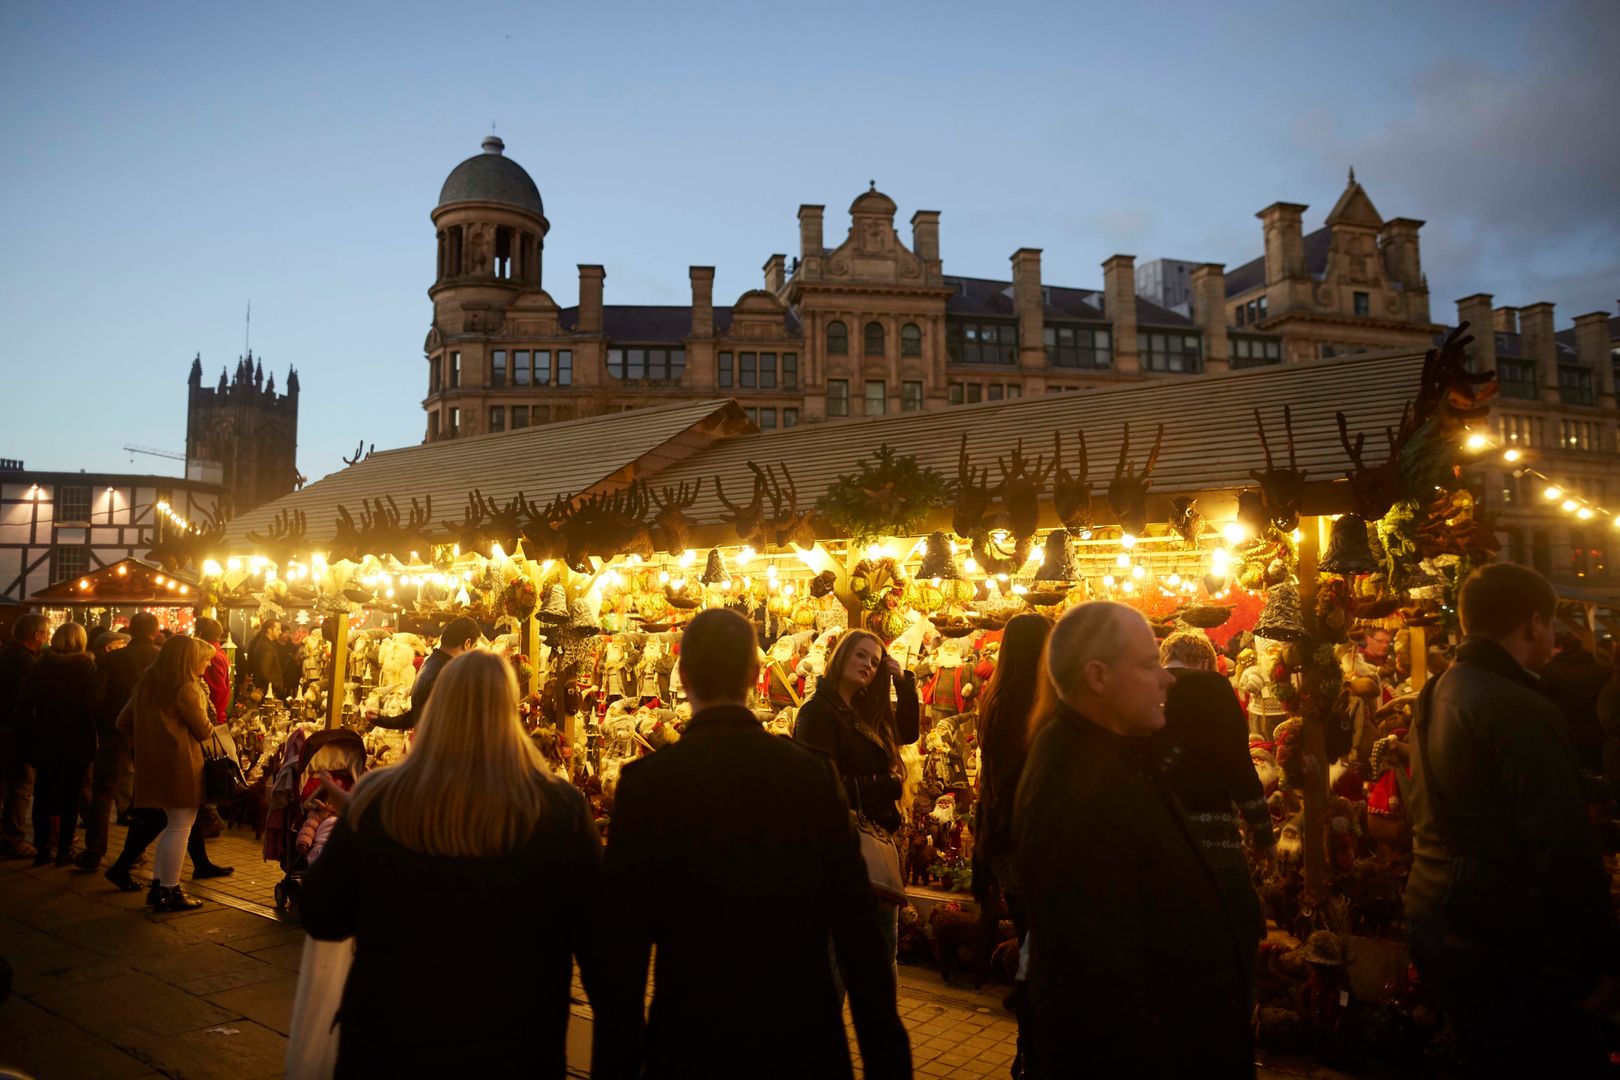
[(491, 231)]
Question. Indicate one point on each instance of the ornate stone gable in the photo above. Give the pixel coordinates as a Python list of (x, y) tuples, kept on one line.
[(873, 253), (758, 316), (533, 315)]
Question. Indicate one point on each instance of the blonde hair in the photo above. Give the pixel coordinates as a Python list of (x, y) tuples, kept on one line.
[(473, 783), (1189, 648), (181, 661), (69, 638)]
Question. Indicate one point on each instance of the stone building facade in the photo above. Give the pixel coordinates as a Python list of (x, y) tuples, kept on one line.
[(242, 435)]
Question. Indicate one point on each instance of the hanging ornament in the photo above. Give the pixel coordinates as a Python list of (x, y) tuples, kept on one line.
[(1280, 620), (938, 560), (1058, 563), (714, 571), (1348, 550), (555, 609)]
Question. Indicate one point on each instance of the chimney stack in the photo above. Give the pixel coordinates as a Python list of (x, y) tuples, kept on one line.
[(810, 242), (1476, 312), (1285, 241), (775, 273), (1506, 320), (1536, 332), (1592, 347), (925, 243), (1209, 312), (702, 300), (1028, 302), (1119, 308), (590, 299)]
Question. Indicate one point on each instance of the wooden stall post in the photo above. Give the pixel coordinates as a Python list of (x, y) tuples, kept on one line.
[(1313, 729), (340, 663)]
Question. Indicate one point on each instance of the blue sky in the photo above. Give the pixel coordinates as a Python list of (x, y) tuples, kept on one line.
[(166, 163)]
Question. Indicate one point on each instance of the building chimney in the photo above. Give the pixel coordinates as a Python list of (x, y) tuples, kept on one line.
[(1592, 347), (702, 300), (1505, 320), (590, 299), (1209, 312), (1119, 308), (775, 273), (925, 243), (1398, 240), (810, 241), (1536, 332), (1285, 241), (1476, 312), (1029, 300)]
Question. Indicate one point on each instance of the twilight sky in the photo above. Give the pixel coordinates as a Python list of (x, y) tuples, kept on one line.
[(167, 163)]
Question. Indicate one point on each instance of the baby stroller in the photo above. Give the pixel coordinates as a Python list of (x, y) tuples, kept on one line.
[(340, 752)]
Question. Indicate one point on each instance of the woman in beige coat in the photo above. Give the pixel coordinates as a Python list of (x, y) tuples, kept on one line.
[(167, 723)]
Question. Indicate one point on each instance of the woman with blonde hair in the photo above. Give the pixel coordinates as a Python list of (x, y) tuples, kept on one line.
[(469, 878), (60, 714), (166, 721)]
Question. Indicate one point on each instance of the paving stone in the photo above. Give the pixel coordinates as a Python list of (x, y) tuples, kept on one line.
[(131, 1007), (34, 1041), (224, 924), (41, 962), (121, 934), (231, 1050), (288, 956), (193, 960), (273, 937), (269, 1003), (230, 980)]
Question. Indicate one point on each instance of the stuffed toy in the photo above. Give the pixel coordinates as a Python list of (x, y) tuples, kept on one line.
[(654, 669)]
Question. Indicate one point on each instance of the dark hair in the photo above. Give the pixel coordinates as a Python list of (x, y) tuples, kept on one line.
[(460, 632), (143, 626), (1498, 599), (1008, 700), (209, 630), (719, 654), (29, 626)]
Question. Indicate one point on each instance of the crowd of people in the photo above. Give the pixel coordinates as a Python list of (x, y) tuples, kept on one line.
[(1118, 813)]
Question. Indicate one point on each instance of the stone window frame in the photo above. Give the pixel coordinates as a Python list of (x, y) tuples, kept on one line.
[(911, 340), (838, 397), (837, 338), (1089, 347), (874, 339), (875, 404)]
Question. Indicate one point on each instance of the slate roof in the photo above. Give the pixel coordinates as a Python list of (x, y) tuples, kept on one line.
[(656, 323), (1567, 337), (1252, 274), (990, 298), (567, 458), (492, 177)]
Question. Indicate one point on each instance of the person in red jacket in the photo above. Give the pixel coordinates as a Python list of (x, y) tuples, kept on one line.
[(218, 675)]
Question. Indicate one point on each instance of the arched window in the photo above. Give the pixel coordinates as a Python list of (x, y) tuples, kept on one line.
[(910, 340), (837, 339), (874, 339)]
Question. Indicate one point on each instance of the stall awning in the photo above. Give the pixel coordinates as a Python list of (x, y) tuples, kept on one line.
[(125, 583)]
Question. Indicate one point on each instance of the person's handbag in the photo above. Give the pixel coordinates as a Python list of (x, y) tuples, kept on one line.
[(312, 1037), (222, 775), (882, 857)]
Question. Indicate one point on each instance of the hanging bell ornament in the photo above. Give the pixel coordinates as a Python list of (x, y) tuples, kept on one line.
[(1348, 549), (1280, 619), (1058, 563), (555, 609), (938, 561), (714, 571)]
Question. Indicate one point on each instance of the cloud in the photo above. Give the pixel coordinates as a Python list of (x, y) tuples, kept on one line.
[(1515, 164)]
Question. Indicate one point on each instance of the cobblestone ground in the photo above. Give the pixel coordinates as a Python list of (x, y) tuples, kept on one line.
[(103, 989)]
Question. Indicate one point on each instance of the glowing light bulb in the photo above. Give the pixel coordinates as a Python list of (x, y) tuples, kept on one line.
[(83, 583), (745, 556), (770, 571), (1139, 571), (1108, 580), (158, 580), (678, 584), (1568, 505), (1220, 559), (1174, 579), (1553, 492), (970, 565), (1476, 442), (787, 590), (1297, 536), (663, 577), (1020, 590), (1127, 541), (688, 557), (1122, 561), (1234, 532), (233, 564), (1511, 456), (1584, 513), (123, 571), (1129, 586)]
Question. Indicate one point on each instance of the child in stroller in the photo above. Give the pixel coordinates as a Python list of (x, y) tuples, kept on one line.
[(303, 808)]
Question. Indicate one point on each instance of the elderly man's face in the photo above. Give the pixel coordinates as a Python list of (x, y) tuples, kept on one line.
[(1138, 682), (1377, 644)]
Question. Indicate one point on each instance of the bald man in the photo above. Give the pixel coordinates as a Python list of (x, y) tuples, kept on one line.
[(1136, 965)]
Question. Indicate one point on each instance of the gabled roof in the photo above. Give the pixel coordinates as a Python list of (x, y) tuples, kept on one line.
[(1355, 208), (1210, 444), (568, 458), (131, 582), (990, 298)]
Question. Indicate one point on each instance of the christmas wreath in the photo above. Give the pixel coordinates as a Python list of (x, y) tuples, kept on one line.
[(890, 496)]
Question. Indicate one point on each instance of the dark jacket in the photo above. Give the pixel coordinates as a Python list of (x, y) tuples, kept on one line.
[(15, 664), (264, 666), (462, 966), (1001, 763), (732, 854), (1502, 853), (1135, 963), (61, 708), (116, 677), (1574, 679), (827, 723), (1213, 776), (421, 690)]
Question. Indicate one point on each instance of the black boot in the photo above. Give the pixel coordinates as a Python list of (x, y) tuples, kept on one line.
[(171, 898), (119, 876), (208, 870)]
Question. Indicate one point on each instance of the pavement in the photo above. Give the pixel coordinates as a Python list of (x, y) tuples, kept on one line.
[(103, 988)]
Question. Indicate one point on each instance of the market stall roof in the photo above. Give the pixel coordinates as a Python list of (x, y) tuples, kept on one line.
[(569, 458), (125, 583), (1210, 440)]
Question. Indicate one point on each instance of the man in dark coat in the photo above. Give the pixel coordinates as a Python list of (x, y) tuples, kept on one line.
[(732, 853), (116, 677), (264, 667), (1507, 904), (1573, 678), (17, 659), (1136, 965), (459, 636)]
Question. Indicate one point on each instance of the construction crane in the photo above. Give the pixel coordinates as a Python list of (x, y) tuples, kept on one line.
[(152, 452)]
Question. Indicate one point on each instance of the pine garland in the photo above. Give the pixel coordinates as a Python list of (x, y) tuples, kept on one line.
[(890, 496)]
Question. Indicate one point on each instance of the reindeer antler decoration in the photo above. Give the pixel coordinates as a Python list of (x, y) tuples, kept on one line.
[(790, 524), (1071, 493), (748, 521), (1127, 491), (285, 537), (674, 531), (1021, 487), (1281, 490), (974, 497)]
